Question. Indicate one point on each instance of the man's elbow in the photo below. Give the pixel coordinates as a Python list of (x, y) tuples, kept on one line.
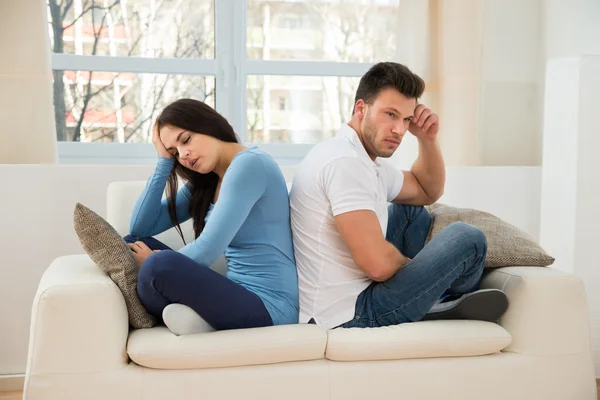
[(377, 272), (438, 194), (379, 277), (433, 197)]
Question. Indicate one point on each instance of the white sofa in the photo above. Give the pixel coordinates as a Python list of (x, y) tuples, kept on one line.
[(81, 346)]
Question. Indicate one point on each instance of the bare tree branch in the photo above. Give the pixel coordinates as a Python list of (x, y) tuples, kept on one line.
[(191, 41), (154, 107), (85, 10), (89, 94), (66, 9)]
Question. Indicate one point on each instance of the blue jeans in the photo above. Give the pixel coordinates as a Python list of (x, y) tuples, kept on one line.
[(451, 263), (170, 277)]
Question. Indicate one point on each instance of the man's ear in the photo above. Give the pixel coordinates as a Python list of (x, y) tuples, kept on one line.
[(360, 108)]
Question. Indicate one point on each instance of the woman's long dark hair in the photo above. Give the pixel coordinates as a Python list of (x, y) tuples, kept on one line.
[(196, 117)]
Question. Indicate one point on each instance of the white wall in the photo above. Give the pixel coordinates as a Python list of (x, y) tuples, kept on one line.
[(571, 191), (571, 178), (26, 116), (459, 75), (492, 68), (489, 63), (571, 27), (36, 219), (36, 225), (511, 104)]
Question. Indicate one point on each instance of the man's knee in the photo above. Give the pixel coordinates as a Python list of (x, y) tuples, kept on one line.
[(467, 234), (406, 209), (413, 214)]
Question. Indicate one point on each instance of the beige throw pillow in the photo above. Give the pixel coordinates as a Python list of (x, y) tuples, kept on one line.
[(507, 244), (110, 252)]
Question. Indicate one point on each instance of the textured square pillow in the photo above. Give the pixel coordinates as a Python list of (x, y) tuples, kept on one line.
[(507, 244), (110, 252)]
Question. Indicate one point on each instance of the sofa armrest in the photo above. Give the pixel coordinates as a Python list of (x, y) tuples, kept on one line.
[(79, 320), (547, 310)]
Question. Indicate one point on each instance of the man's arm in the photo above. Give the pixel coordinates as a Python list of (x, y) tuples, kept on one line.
[(361, 232), (349, 185), (424, 183)]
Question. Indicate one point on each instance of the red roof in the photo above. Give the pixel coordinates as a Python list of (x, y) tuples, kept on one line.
[(103, 117), (88, 31)]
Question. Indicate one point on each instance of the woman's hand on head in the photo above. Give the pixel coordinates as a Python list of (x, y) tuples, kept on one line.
[(141, 252), (158, 144)]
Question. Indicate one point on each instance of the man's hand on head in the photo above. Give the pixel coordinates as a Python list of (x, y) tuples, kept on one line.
[(425, 124)]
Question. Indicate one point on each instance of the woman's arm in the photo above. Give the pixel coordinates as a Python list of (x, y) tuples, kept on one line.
[(151, 214), (243, 185)]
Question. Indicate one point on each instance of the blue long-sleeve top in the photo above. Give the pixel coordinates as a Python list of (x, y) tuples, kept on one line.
[(249, 223)]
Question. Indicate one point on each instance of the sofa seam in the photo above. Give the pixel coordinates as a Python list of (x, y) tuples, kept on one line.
[(79, 285), (570, 277), (546, 355), (143, 382), (327, 361), (231, 348), (429, 341), (508, 277)]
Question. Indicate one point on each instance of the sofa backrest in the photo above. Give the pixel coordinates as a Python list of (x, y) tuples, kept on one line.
[(511, 193), (120, 200), (122, 196)]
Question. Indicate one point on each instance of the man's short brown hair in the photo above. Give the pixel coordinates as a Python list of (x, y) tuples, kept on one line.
[(389, 75)]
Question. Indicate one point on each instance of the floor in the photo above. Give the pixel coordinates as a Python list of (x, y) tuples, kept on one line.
[(11, 395)]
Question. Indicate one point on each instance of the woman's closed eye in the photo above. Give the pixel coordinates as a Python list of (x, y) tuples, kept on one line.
[(187, 139)]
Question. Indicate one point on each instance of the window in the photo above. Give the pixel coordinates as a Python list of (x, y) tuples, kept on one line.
[(284, 73), (281, 103), (120, 107)]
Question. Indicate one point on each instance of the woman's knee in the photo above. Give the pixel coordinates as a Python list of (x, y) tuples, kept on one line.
[(131, 239), (153, 280), (156, 266)]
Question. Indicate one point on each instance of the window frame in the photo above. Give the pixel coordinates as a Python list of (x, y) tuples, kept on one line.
[(230, 68)]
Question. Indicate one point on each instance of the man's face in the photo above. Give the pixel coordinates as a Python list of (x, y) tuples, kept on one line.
[(385, 122)]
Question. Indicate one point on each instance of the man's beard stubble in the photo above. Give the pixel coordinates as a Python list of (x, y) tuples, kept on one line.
[(369, 134)]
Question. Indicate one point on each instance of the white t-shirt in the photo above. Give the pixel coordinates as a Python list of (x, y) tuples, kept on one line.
[(337, 176)]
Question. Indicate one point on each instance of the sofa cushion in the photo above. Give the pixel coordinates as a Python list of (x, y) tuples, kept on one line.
[(507, 245), (159, 348), (112, 255), (424, 339)]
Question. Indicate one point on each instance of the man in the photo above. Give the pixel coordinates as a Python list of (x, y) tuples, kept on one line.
[(362, 263)]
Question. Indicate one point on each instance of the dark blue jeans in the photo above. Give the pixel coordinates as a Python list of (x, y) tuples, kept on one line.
[(452, 263), (170, 277)]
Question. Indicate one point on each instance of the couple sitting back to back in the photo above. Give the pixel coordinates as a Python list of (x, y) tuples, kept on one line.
[(345, 249)]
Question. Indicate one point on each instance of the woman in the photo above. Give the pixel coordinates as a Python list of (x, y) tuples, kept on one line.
[(238, 201)]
